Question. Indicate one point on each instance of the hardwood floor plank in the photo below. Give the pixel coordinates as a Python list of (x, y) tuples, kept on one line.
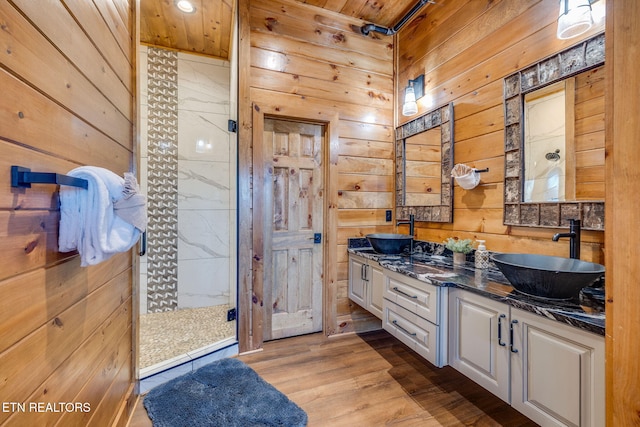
[(371, 379)]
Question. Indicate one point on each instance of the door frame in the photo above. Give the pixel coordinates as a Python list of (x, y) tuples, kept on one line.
[(251, 283)]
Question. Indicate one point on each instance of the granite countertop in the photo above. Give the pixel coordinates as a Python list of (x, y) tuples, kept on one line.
[(430, 263)]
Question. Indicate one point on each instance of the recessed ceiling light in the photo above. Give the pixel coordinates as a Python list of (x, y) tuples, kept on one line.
[(185, 6)]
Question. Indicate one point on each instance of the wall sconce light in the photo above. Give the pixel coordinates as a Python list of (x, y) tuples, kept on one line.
[(413, 92), (574, 18)]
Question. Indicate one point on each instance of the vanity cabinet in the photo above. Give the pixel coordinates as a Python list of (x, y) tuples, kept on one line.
[(551, 372), (414, 311), (366, 279)]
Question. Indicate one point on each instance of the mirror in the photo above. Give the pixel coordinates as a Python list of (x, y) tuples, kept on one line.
[(424, 158), (545, 143), (554, 140), (422, 164), (564, 139)]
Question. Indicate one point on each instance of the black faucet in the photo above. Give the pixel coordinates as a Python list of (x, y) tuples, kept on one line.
[(411, 223), (574, 235)]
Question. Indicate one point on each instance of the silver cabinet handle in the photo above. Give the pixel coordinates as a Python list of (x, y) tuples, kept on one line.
[(395, 323), (502, 316), (513, 350), (395, 288)]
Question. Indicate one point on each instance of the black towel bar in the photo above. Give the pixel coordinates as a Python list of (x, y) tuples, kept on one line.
[(481, 170), (23, 178)]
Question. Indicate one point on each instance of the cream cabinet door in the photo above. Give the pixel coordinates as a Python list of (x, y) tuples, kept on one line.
[(357, 280), (478, 344), (366, 282), (375, 281), (557, 372)]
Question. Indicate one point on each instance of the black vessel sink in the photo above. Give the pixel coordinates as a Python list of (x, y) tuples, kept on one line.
[(547, 276), (389, 244)]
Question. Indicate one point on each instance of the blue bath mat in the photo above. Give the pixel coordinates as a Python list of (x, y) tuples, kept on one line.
[(225, 393)]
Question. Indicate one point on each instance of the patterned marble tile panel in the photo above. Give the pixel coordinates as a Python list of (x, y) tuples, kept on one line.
[(203, 87), (203, 136), (162, 171), (204, 282), (183, 56), (203, 185), (203, 234)]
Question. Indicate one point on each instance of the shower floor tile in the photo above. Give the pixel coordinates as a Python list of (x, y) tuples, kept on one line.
[(170, 334)]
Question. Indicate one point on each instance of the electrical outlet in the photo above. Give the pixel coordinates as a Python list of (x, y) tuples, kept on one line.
[(388, 215)]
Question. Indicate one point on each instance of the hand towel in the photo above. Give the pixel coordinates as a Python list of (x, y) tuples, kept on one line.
[(88, 221), (132, 207)]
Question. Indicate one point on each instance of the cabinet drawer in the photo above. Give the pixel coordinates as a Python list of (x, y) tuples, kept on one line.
[(416, 296), (417, 333)]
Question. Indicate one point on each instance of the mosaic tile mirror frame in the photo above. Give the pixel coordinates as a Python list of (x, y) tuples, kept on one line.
[(441, 117), (569, 62)]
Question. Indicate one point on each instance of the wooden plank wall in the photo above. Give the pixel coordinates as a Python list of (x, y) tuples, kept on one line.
[(309, 63), (67, 78), (465, 48), (622, 234), (589, 134)]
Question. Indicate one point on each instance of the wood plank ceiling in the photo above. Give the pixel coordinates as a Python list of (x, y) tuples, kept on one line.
[(208, 30), (385, 13)]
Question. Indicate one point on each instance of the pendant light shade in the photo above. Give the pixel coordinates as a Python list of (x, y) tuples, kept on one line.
[(574, 18), (413, 92), (410, 106)]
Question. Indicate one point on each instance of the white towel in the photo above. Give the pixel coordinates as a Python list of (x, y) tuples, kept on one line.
[(132, 207), (88, 221)]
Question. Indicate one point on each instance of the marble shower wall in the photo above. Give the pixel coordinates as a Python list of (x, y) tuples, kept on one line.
[(206, 177)]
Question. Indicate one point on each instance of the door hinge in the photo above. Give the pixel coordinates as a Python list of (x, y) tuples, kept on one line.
[(231, 315), (232, 126)]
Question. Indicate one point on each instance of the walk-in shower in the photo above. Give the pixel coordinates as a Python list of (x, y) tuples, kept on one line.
[(188, 171)]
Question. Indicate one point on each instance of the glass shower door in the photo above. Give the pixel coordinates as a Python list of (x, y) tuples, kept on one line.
[(188, 170)]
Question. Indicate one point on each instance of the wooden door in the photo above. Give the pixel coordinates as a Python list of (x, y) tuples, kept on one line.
[(293, 227)]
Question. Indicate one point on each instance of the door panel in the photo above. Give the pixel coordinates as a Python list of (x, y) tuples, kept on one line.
[(293, 201), (558, 372), (478, 349), (376, 282), (356, 281)]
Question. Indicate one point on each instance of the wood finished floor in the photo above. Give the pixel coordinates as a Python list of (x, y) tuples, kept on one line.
[(370, 380)]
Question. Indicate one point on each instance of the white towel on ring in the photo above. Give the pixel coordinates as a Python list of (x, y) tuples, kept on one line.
[(88, 221)]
